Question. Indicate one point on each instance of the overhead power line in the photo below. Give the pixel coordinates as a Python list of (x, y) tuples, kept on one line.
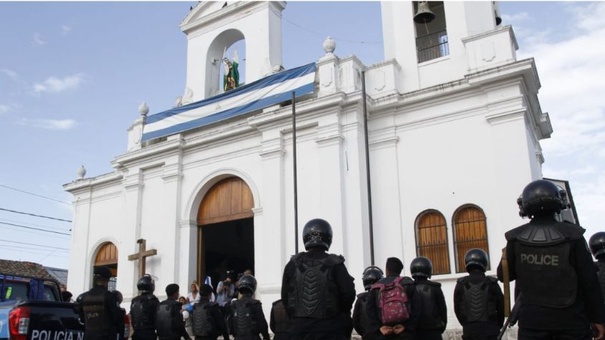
[(333, 37), (32, 228), (34, 244), (34, 194), (35, 215)]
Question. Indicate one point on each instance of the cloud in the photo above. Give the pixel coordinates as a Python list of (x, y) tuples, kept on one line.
[(570, 66), (10, 73), (38, 39), (4, 109), (65, 29), (56, 85), (49, 124)]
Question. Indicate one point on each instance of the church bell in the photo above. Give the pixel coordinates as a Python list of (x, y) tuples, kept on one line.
[(423, 14)]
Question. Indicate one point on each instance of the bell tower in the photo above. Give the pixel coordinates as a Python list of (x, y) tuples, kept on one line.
[(213, 26), (435, 42)]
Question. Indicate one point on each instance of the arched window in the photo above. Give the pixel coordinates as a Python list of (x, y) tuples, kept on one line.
[(470, 231), (431, 240)]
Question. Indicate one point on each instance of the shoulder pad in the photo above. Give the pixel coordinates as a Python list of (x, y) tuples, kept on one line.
[(433, 283), (492, 279), (334, 259), (462, 280), (552, 233), (406, 280), (512, 234)]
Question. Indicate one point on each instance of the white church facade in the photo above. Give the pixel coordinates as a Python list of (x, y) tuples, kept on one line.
[(453, 135)]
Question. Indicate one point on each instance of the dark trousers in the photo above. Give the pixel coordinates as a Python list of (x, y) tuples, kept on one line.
[(147, 334), (428, 335), (480, 337), (317, 336), (534, 334)]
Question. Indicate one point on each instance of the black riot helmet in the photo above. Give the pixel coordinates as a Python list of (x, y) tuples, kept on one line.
[(146, 284), (541, 197), (371, 275), (317, 233), (421, 266), (475, 258), (597, 244), (247, 282)]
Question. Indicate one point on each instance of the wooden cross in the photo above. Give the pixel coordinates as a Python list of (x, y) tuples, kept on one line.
[(141, 255)]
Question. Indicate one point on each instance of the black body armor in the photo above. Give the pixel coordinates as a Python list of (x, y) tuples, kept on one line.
[(164, 319), (142, 312), (478, 307), (429, 318), (202, 322), (601, 275), (316, 294), (542, 259), (244, 322)]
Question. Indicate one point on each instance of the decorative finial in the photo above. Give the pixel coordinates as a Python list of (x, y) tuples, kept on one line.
[(81, 172), (143, 109), (329, 45)]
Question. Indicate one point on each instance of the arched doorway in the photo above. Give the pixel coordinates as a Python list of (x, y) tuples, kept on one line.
[(107, 255), (226, 230)]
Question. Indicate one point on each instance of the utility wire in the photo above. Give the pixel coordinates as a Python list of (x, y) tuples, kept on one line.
[(335, 38), (32, 228), (33, 244), (30, 214), (33, 194)]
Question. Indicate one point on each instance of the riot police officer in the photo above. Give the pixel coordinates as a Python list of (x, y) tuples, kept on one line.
[(371, 275), (597, 247), (478, 299), (169, 320), (432, 321), (559, 291), (247, 319), (143, 310), (317, 290), (99, 309)]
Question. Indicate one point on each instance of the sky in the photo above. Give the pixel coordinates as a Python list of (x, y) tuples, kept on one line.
[(72, 76)]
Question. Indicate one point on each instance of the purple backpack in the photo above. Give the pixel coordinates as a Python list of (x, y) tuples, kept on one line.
[(392, 301)]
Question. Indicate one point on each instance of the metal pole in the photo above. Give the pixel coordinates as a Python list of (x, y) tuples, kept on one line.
[(367, 145), (295, 173)]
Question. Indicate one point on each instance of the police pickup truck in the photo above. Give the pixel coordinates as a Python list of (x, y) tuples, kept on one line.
[(31, 306)]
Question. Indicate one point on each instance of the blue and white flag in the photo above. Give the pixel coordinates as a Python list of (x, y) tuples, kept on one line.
[(258, 95)]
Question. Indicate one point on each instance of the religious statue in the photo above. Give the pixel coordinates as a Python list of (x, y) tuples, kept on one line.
[(231, 76)]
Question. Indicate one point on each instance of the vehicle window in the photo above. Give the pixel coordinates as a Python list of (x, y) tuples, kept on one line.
[(49, 294), (14, 291)]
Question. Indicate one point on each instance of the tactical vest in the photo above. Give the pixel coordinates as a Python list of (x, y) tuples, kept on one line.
[(164, 319), (95, 315), (244, 321), (316, 294), (142, 312), (542, 263), (430, 318), (477, 306), (202, 321), (601, 275)]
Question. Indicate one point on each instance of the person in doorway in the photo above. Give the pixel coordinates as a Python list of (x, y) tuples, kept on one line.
[(99, 308), (384, 322), (478, 299), (225, 290), (432, 321), (554, 271), (169, 320), (317, 290), (247, 319), (143, 309), (193, 297), (207, 321), (371, 275)]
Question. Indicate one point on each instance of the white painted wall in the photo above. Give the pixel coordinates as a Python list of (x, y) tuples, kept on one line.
[(472, 139)]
